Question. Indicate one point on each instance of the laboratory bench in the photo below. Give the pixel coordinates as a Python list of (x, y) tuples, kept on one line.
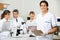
[(55, 37), (20, 37), (26, 37)]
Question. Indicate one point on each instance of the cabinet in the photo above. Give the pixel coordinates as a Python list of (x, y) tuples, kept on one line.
[(3, 5)]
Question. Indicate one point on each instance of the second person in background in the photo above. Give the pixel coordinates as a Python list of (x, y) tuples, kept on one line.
[(31, 24)]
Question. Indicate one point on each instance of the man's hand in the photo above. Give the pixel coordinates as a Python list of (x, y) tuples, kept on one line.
[(44, 34)]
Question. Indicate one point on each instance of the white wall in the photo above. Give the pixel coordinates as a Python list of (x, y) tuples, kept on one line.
[(54, 7), (25, 6), (15, 4)]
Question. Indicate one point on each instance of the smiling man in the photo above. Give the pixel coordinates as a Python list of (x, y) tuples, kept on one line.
[(45, 22)]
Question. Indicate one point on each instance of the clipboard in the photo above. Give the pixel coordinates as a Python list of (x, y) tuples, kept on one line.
[(37, 32), (32, 27)]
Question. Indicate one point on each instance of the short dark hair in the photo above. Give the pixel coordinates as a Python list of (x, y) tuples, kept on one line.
[(5, 12), (15, 10), (31, 12), (44, 2)]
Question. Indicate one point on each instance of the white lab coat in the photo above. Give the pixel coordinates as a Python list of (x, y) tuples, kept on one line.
[(15, 24), (30, 23), (2, 21), (44, 23), (4, 33)]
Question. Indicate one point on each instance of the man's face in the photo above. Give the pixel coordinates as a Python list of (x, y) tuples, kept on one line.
[(43, 7), (15, 14)]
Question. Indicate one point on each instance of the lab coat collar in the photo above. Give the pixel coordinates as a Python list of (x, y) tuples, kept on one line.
[(32, 20), (5, 19), (45, 14), (15, 18)]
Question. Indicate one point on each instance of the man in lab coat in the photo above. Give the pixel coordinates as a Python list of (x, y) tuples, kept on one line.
[(16, 20), (45, 21)]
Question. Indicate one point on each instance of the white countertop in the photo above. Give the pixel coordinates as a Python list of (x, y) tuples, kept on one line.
[(25, 37), (20, 37), (56, 37)]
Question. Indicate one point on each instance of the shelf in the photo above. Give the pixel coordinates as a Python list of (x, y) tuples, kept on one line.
[(2, 5), (5, 3)]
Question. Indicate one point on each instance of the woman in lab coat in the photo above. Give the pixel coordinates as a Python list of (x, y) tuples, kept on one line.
[(5, 24), (45, 21), (31, 24)]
